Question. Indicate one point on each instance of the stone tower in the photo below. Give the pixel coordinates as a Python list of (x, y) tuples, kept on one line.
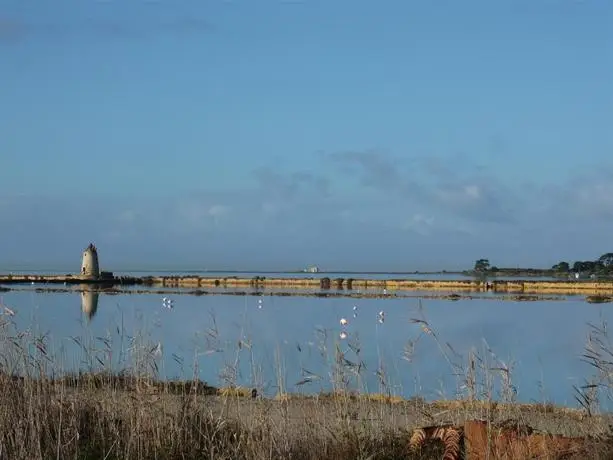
[(89, 266)]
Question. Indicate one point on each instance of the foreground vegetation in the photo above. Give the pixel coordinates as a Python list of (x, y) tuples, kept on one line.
[(96, 417), (120, 408), (45, 419)]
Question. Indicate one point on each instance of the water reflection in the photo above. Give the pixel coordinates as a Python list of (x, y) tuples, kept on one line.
[(89, 300)]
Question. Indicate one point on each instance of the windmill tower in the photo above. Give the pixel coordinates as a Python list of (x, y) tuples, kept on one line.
[(89, 266)]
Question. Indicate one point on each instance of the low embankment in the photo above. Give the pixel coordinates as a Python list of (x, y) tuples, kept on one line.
[(589, 287)]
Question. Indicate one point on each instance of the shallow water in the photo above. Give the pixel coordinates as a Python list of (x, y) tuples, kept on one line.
[(540, 341)]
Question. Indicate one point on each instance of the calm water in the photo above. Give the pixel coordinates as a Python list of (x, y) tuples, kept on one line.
[(281, 340)]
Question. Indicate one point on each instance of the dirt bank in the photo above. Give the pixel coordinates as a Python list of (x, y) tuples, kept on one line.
[(596, 288)]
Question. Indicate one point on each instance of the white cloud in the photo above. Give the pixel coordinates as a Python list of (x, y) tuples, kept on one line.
[(593, 199), (460, 195), (128, 216), (269, 209), (472, 192), (194, 215), (218, 212), (420, 224)]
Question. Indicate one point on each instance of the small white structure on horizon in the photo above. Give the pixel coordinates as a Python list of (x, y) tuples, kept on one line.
[(89, 265), (312, 269)]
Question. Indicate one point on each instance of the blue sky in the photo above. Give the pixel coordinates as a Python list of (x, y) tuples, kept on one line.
[(355, 134)]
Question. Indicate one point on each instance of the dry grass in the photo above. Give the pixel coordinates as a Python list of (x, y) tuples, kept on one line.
[(43, 419), (235, 392), (131, 413)]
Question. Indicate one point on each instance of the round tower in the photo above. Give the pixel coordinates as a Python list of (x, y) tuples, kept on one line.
[(89, 266)]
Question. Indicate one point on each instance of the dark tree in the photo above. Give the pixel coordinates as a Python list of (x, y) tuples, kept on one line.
[(579, 266), (562, 267), (482, 265), (606, 259), (588, 266)]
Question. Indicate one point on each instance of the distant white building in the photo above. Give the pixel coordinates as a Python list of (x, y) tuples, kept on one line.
[(583, 276), (312, 269)]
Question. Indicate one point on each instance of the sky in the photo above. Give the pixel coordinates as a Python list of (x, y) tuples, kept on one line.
[(270, 135)]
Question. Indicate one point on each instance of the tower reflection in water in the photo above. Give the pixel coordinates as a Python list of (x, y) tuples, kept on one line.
[(89, 300)]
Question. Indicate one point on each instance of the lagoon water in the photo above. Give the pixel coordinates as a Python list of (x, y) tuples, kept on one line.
[(273, 341)]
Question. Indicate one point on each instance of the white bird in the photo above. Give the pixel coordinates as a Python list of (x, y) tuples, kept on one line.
[(343, 335), (344, 322), (381, 316), (168, 303)]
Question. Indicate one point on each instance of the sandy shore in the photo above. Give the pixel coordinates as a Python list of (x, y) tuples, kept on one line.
[(359, 285)]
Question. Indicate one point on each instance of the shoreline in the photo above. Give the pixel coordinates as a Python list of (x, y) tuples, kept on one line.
[(326, 284)]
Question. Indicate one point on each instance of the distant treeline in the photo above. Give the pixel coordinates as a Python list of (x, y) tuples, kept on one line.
[(602, 265)]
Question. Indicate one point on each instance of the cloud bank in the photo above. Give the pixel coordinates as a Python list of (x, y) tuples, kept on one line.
[(362, 210)]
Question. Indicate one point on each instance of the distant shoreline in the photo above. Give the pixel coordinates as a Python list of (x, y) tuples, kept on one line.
[(258, 272), (326, 284), (522, 272)]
